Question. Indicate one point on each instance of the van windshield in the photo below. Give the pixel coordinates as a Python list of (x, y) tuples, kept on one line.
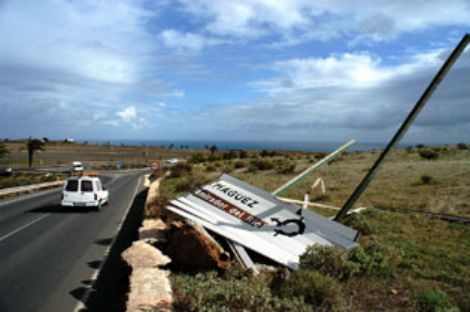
[(72, 186), (87, 186)]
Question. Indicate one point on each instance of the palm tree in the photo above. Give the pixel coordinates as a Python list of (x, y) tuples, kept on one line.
[(31, 146), (3, 150), (213, 149)]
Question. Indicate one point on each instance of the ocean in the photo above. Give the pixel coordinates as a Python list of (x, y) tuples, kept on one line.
[(246, 145)]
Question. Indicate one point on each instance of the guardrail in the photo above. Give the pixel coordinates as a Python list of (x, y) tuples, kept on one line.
[(12, 191)]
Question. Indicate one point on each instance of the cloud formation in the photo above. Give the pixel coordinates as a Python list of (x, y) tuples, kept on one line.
[(303, 20), (257, 69)]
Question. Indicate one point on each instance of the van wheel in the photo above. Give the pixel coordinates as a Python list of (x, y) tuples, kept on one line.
[(98, 208)]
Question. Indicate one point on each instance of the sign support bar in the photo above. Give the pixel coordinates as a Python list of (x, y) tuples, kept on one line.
[(406, 124)]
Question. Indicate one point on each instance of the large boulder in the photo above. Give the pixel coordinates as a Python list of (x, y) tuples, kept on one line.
[(144, 255), (192, 248), (150, 290), (153, 230)]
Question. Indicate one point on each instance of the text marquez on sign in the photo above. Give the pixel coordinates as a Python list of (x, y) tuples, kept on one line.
[(245, 200)]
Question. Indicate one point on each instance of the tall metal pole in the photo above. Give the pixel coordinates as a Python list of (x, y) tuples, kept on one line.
[(406, 124)]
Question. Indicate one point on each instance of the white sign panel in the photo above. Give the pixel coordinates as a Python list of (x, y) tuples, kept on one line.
[(259, 221)]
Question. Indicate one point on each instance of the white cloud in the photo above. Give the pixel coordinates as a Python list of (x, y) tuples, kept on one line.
[(348, 70), (179, 94), (297, 21), (186, 41), (97, 41), (323, 101), (59, 59), (247, 18), (129, 114)]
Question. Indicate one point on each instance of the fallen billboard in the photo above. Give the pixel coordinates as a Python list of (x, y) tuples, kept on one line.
[(259, 221)]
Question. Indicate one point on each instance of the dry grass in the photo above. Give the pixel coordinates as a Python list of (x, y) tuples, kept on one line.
[(423, 255), (21, 179), (57, 153), (398, 184)]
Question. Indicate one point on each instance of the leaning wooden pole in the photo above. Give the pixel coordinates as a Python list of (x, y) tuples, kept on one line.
[(406, 124)]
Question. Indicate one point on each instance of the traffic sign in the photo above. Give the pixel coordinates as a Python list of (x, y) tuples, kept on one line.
[(154, 165)]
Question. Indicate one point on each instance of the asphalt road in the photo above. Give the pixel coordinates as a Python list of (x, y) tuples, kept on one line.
[(49, 255)]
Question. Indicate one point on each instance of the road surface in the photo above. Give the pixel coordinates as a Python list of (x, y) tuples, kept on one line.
[(49, 255)]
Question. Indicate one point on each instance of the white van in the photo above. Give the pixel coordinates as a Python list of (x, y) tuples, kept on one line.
[(84, 191)]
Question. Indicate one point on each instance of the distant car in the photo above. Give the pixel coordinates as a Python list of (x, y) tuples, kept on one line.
[(84, 191), (6, 171), (77, 166), (172, 161)]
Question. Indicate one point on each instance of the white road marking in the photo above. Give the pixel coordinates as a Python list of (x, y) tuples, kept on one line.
[(23, 227), (81, 304)]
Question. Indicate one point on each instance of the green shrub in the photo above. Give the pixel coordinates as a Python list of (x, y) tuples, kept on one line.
[(434, 301), (180, 169), (209, 292), (321, 291), (328, 260), (259, 164), (265, 153), (190, 183), (462, 146), (196, 158), (210, 168), (427, 179), (428, 154), (213, 157), (229, 155), (371, 258), (285, 167), (227, 168), (320, 155), (239, 164), (358, 222), (242, 154), (183, 186)]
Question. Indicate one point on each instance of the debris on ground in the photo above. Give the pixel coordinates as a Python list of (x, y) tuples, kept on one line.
[(192, 248), (258, 220)]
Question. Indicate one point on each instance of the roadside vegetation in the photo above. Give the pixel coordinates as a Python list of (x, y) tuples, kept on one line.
[(405, 260), (22, 179), (3, 150)]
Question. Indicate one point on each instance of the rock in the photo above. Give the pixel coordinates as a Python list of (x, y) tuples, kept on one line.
[(152, 203), (153, 230), (143, 255), (192, 248), (150, 290), (265, 269)]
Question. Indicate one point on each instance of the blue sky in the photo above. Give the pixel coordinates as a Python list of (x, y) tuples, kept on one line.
[(231, 70)]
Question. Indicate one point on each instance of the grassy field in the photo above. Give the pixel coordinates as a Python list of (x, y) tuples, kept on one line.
[(406, 260), (399, 184), (59, 153)]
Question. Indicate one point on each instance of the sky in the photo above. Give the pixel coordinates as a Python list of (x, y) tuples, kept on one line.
[(259, 70)]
